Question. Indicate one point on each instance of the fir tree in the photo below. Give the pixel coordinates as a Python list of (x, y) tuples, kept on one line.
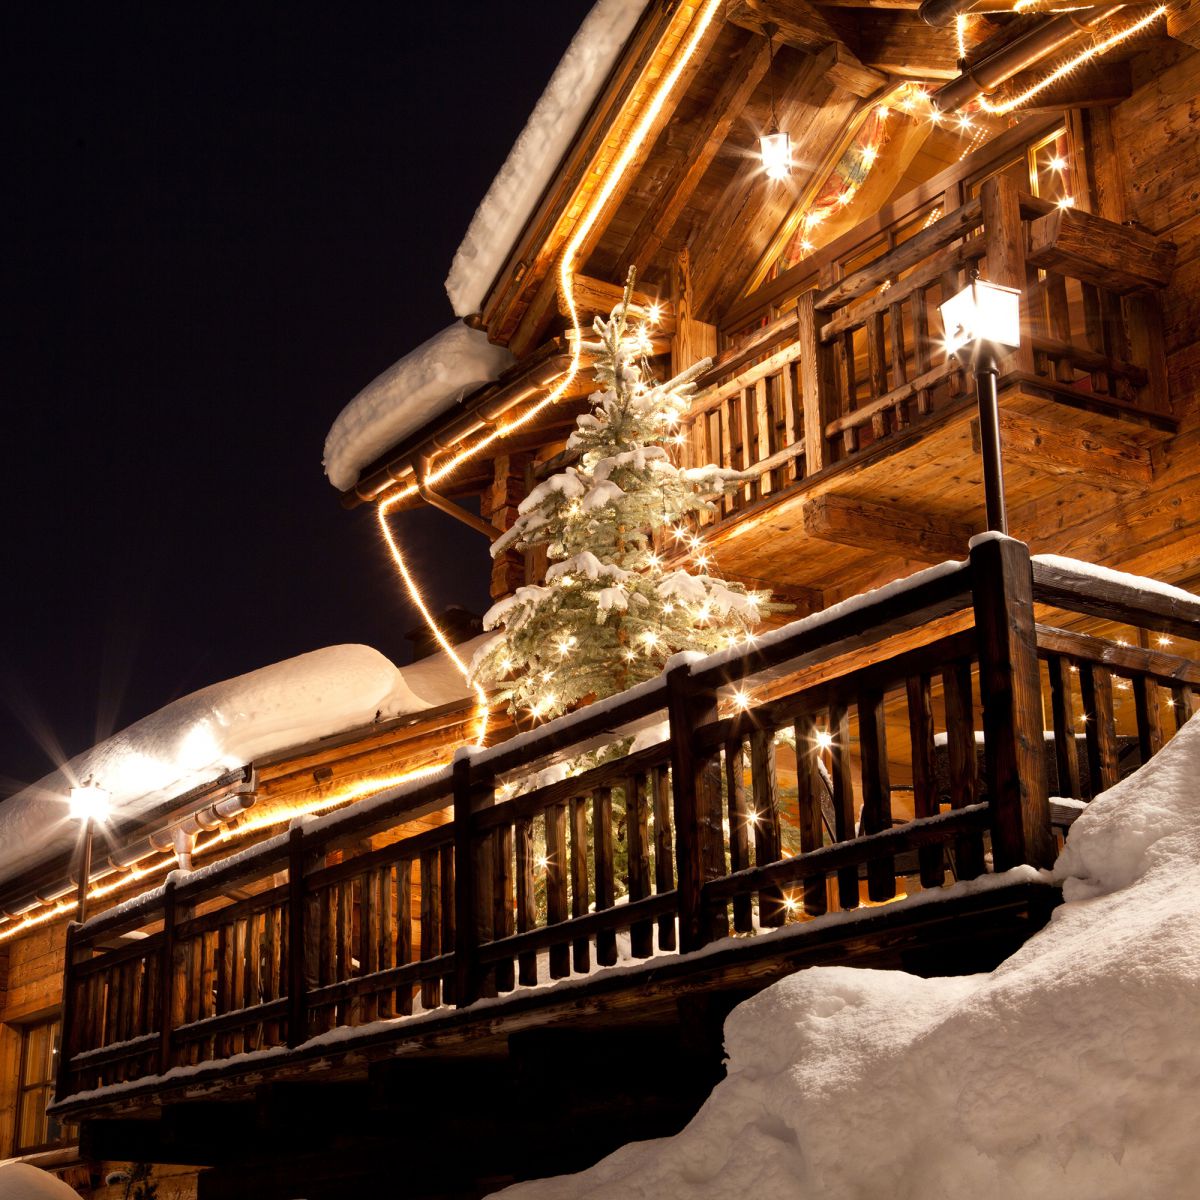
[(611, 610)]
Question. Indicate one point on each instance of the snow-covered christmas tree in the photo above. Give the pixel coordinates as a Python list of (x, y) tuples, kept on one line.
[(613, 609)]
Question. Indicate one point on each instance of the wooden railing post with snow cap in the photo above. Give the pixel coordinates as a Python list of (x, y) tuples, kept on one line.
[(297, 942), (69, 1038), (466, 887), (696, 841), (1010, 688)]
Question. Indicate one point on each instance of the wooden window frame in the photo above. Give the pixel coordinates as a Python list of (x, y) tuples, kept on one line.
[(25, 1088)]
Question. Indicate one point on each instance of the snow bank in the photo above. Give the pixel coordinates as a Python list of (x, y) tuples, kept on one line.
[(1069, 1071), (198, 737), (20, 1181), (535, 156), (424, 383)]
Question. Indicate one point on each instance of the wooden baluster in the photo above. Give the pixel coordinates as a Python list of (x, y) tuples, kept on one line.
[(809, 788), (1059, 322), (739, 832), (70, 1043), (849, 389), (345, 944), (127, 985), (237, 1040), (1149, 719), (925, 797), (447, 868), (744, 401), (728, 425), (580, 950), (792, 423), (877, 366), (1183, 700), (503, 914), (876, 790), (606, 896), (368, 924), (762, 410), (921, 356), (271, 978), (843, 800), (664, 864), (1116, 343), (1093, 332), (963, 763), (949, 285), (1095, 684), (431, 922), (899, 359), (556, 885), (1066, 756), (1147, 347), (526, 898), (1010, 685), (253, 970), (386, 945), (637, 841), (110, 1001), (404, 932), (224, 987), (768, 834)]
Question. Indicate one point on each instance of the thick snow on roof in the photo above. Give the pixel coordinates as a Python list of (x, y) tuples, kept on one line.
[(1069, 1071), (538, 150), (423, 384), (20, 1181), (196, 738)]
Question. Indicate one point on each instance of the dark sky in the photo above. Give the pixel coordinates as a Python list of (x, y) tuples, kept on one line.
[(220, 221)]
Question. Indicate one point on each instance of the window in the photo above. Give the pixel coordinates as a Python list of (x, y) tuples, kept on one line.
[(35, 1085)]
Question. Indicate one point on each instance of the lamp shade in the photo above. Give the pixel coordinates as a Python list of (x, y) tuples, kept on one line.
[(89, 803), (776, 150), (982, 312)]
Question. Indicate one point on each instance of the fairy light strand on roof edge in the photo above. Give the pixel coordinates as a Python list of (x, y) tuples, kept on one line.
[(566, 275)]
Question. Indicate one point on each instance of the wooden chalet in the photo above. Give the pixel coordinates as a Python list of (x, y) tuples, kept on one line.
[(467, 979)]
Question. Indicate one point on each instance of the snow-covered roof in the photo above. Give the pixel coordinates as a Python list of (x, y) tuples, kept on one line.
[(1069, 1071), (538, 150), (426, 382), (195, 739)]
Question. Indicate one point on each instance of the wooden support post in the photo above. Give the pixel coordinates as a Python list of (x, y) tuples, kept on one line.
[(69, 1044), (688, 711), (1095, 686), (637, 829), (925, 800), (813, 381), (166, 972), (809, 788), (297, 941), (1066, 757), (1005, 241), (843, 800), (664, 867), (876, 790), (739, 833), (466, 899), (1010, 685)]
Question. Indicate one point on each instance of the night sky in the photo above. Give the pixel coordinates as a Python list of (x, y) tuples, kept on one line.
[(220, 222)]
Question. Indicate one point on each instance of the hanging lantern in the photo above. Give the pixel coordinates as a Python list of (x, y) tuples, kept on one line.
[(775, 146)]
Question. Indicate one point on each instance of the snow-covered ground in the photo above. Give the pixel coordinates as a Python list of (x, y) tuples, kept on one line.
[(538, 150), (426, 382), (20, 1181), (198, 737), (1070, 1071)]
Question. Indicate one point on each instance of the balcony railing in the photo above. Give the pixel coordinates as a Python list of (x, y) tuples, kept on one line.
[(771, 802), (861, 360)]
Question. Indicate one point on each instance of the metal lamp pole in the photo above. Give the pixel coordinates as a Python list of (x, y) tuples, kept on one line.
[(987, 372), (89, 804), (85, 870)]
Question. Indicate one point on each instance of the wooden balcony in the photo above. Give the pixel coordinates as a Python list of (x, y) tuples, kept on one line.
[(810, 783), (862, 433)]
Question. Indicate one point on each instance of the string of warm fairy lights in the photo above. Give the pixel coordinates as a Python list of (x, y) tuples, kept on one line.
[(911, 97), (566, 279)]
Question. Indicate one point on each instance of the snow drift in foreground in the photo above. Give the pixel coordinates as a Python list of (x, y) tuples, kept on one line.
[(1069, 1071), (426, 382), (20, 1181), (539, 148), (196, 738)]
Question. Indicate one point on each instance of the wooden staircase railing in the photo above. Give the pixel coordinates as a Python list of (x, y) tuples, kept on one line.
[(770, 802)]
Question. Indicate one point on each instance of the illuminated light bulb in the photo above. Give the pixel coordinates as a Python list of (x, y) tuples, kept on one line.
[(964, 122), (846, 197), (907, 103), (671, 418), (776, 150), (547, 676), (750, 640), (807, 246), (89, 803), (653, 559), (654, 315), (752, 817), (741, 699), (869, 155), (650, 638), (679, 533), (506, 664), (813, 218), (565, 580), (935, 114), (630, 655), (563, 647), (1066, 202), (883, 112), (824, 739), (669, 607), (541, 861), (1122, 642), (696, 542), (677, 440), (1163, 640), (704, 611), (790, 903), (702, 561), (1057, 163)]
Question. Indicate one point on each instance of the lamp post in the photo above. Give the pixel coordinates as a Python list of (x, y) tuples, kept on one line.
[(89, 804), (985, 318)]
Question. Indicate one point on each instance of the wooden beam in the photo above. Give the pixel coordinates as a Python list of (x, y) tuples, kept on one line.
[(800, 24), (599, 297), (1100, 459), (744, 75), (1115, 257), (900, 43), (1183, 22), (843, 69), (885, 529)]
